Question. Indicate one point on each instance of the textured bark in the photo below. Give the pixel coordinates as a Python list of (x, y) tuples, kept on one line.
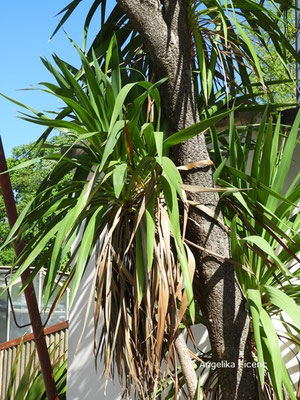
[(165, 33)]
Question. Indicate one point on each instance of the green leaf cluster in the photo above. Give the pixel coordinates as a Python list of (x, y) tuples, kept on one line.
[(122, 200), (264, 221)]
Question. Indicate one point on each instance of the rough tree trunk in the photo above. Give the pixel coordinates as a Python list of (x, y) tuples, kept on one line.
[(165, 32)]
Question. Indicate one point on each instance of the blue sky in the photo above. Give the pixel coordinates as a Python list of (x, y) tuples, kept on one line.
[(25, 29)]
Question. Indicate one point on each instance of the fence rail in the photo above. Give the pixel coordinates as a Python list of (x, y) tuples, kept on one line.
[(56, 339)]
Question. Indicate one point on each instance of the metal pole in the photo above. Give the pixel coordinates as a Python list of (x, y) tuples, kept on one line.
[(32, 305), (297, 26)]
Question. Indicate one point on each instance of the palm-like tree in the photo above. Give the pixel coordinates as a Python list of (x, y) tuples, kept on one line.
[(154, 264)]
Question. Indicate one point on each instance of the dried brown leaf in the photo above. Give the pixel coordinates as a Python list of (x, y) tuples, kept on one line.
[(200, 189), (196, 164)]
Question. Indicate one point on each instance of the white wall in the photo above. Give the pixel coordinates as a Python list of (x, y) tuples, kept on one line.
[(83, 381)]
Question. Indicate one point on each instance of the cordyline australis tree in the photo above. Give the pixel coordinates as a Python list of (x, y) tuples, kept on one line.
[(167, 36), (165, 250)]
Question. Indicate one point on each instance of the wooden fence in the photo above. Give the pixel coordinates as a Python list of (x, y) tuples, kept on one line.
[(56, 339)]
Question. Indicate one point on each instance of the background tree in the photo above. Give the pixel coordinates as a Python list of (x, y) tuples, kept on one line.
[(25, 182), (274, 70)]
